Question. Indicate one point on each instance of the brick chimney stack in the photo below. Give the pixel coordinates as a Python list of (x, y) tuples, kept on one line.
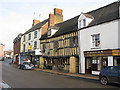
[(55, 17), (35, 22), (58, 11)]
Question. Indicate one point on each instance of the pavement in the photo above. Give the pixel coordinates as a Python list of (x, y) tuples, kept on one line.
[(85, 76)]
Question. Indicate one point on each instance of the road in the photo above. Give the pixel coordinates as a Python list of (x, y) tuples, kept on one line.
[(17, 78)]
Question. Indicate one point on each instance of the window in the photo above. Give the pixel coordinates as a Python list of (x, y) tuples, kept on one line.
[(56, 45), (35, 34), (74, 41), (49, 32), (112, 69), (24, 39), (24, 48), (96, 63), (35, 45), (81, 23), (44, 46), (119, 11), (105, 62), (95, 40), (116, 61), (29, 36), (84, 22)]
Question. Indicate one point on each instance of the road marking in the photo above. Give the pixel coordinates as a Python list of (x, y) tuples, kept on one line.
[(4, 85)]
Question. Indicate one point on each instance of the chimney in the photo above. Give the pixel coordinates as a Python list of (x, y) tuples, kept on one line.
[(58, 11), (55, 17), (51, 19), (35, 22)]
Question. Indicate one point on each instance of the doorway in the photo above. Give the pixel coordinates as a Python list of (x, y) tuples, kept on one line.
[(88, 65)]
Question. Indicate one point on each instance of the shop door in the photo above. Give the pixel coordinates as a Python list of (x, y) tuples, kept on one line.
[(88, 65)]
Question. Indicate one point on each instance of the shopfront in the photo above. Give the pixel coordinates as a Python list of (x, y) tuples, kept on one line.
[(95, 61), (116, 57)]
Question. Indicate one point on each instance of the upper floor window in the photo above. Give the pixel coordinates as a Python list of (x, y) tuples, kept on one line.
[(56, 45), (49, 32), (82, 23), (35, 34), (24, 48), (74, 41), (29, 36), (24, 39), (95, 40), (35, 45), (119, 11)]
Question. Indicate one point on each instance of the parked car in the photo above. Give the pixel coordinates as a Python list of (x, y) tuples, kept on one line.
[(110, 74), (26, 65)]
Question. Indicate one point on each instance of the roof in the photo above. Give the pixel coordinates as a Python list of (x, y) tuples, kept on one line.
[(64, 27), (101, 15), (105, 14), (37, 26)]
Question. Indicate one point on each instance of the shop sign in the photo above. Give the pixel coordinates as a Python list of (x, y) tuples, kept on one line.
[(116, 52), (97, 53), (29, 47), (38, 52)]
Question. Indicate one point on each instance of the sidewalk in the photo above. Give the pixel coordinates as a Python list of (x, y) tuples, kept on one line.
[(69, 74)]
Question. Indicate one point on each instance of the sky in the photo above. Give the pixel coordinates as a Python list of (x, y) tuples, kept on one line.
[(17, 15)]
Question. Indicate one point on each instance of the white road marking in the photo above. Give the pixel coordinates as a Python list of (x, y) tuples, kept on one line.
[(4, 85)]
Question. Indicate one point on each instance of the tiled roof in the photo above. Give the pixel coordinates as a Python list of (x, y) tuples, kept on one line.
[(37, 26)]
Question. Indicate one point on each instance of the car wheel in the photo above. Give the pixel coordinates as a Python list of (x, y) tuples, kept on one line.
[(104, 80)]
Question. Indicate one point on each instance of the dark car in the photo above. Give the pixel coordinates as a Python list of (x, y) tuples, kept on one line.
[(110, 74)]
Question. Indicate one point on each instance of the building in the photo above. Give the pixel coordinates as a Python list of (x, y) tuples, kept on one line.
[(30, 43), (99, 34), (16, 48), (59, 47), (1, 50)]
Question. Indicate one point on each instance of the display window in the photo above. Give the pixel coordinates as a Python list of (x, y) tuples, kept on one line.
[(116, 61)]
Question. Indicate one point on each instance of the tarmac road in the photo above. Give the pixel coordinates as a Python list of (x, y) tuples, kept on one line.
[(17, 78)]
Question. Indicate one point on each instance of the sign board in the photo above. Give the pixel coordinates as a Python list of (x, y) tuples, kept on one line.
[(116, 52), (38, 52), (29, 47)]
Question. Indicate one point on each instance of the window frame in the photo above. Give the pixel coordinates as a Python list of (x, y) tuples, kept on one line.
[(95, 41), (35, 34)]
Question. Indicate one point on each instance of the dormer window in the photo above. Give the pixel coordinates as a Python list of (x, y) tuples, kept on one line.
[(119, 11), (84, 20)]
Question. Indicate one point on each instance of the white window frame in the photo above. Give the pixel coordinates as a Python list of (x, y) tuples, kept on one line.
[(95, 41)]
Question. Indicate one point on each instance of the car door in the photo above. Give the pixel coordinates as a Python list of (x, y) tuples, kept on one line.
[(112, 74), (119, 74)]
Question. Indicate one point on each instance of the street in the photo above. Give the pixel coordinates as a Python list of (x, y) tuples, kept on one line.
[(17, 78)]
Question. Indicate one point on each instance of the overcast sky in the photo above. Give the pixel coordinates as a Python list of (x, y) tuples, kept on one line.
[(16, 16)]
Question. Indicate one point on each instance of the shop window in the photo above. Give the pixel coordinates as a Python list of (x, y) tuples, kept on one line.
[(96, 63), (105, 62), (96, 41), (116, 61)]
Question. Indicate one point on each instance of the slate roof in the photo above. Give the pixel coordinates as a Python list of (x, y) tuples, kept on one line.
[(105, 14), (101, 15), (37, 26)]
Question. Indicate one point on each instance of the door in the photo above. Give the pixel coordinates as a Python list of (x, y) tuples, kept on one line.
[(88, 65), (119, 74)]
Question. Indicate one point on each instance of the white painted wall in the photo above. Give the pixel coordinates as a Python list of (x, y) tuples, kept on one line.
[(31, 41), (108, 39)]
